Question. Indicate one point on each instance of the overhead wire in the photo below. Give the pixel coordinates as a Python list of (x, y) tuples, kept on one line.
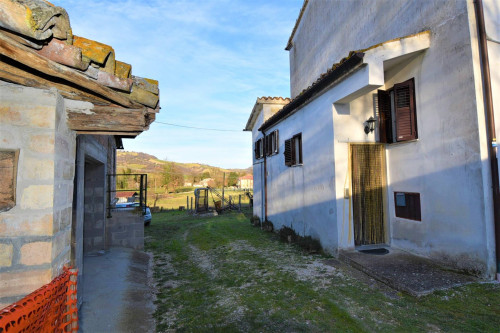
[(200, 128)]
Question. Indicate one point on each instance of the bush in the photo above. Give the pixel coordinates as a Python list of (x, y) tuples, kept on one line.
[(307, 243), (255, 221), (268, 226), (184, 189)]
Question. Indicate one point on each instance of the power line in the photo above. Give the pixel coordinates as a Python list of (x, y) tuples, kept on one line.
[(200, 128)]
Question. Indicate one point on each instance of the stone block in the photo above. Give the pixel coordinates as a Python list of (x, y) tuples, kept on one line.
[(61, 243), (68, 170), (41, 116), (38, 168), (6, 255), (42, 143), (36, 253), (23, 283), (12, 116), (13, 225), (37, 197)]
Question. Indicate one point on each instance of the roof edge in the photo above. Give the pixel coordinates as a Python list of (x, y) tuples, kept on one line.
[(296, 26), (350, 64)]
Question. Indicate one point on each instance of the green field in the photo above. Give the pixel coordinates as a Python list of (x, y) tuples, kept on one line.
[(220, 274), (174, 200)]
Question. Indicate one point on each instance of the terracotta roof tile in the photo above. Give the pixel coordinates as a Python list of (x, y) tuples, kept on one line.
[(46, 28)]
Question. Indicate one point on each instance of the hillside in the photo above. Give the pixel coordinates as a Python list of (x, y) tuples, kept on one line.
[(136, 162)]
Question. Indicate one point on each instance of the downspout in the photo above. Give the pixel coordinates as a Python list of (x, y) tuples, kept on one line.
[(265, 176), (490, 126)]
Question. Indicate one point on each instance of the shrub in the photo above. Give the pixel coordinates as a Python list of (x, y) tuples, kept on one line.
[(255, 221), (307, 243), (184, 189), (268, 226)]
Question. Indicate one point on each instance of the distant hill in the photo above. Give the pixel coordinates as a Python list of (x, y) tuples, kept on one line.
[(136, 162)]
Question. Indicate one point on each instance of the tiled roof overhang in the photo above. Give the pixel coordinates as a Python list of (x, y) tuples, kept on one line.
[(340, 71), (257, 108), (38, 49)]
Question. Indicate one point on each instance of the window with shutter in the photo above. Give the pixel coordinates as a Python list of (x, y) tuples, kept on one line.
[(293, 150), (8, 176), (407, 205), (276, 142), (399, 101), (385, 117)]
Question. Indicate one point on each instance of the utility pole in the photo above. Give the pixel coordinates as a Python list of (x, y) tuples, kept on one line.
[(223, 184)]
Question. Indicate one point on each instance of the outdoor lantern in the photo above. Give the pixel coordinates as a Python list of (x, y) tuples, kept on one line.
[(370, 125)]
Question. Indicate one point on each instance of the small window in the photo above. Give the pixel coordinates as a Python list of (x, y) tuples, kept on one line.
[(397, 113), (407, 205), (293, 150), (259, 148), (8, 175), (272, 143)]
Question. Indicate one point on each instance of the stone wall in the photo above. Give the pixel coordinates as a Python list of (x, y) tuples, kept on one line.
[(35, 233)]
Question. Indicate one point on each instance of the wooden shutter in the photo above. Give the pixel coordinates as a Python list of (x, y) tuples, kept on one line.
[(405, 111), (276, 143), (298, 148), (288, 152), (256, 150), (385, 117), (8, 178)]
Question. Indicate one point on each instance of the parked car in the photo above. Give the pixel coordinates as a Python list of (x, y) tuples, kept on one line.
[(147, 216)]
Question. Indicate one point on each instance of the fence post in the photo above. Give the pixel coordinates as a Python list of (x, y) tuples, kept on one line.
[(191, 204), (239, 203), (187, 204)]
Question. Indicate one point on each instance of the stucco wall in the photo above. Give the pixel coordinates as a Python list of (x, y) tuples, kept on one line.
[(329, 29), (448, 164), (34, 235)]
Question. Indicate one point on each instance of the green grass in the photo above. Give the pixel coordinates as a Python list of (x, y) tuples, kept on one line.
[(221, 274)]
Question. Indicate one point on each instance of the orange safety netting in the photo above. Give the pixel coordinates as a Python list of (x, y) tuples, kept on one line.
[(52, 308)]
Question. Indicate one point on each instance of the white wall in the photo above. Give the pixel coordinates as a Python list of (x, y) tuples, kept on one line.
[(447, 165)]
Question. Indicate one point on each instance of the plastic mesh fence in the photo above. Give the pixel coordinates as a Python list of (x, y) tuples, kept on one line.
[(52, 308)]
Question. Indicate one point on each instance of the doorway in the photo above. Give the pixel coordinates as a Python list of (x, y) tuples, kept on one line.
[(368, 181)]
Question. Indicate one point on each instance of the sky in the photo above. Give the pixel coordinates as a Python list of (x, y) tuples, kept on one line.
[(213, 58)]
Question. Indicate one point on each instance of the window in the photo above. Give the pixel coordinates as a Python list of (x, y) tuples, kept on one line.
[(259, 148), (272, 143), (8, 175), (293, 150), (397, 113), (407, 205)]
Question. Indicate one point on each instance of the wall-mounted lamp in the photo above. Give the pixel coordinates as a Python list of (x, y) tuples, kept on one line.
[(370, 125)]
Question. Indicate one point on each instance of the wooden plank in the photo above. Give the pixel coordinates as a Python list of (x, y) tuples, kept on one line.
[(107, 119), (15, 75), (122, 134), (30, 58)]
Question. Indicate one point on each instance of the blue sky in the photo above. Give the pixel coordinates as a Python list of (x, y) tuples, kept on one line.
[(213, 58)]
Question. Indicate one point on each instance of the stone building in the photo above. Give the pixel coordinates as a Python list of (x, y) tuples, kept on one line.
[(65, 105), (389, 136)]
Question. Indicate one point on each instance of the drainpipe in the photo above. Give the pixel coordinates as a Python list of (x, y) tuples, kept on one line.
[(265, 176), (490, 126)]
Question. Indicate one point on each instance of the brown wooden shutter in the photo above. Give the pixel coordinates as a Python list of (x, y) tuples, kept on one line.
[(405, 111), (385, 117), (288, 152)]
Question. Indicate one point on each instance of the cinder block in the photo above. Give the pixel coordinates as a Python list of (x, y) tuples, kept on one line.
[(61, 243), (6, 255), (38, 169), (42, 143), (37, 197), (36, 253), (23, 283)]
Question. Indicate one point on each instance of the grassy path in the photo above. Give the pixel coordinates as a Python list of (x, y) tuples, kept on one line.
[(221, 274)]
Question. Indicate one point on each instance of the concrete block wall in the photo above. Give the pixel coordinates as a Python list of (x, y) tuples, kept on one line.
[(35, 233), (126, 229)]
